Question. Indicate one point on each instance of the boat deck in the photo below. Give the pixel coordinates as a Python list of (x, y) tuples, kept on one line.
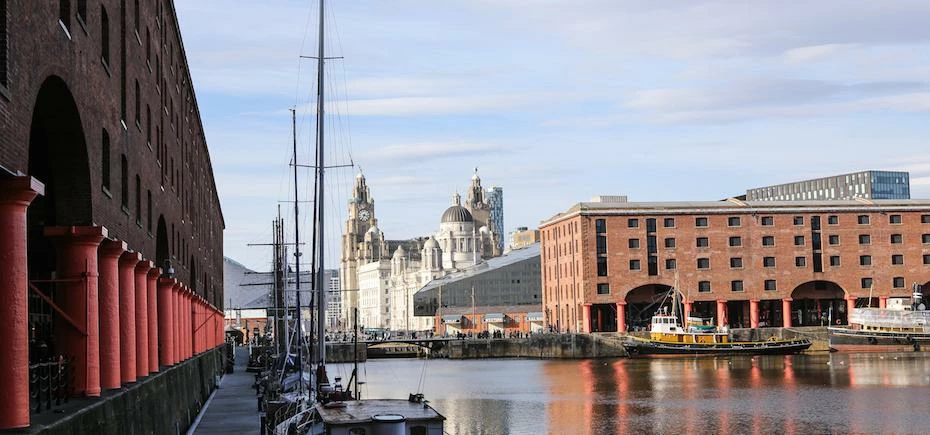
[(233, 409)]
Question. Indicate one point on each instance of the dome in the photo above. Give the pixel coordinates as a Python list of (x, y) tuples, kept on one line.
[(431, 243), (374, 231), (456, 213), (399, 253)]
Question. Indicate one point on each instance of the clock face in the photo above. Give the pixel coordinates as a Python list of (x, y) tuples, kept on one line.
[(364, 214)]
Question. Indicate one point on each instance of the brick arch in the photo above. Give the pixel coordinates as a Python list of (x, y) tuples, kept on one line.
[(818, 302), (644, 300)]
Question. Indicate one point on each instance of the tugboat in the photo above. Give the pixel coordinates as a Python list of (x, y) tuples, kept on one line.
[(900, 327)]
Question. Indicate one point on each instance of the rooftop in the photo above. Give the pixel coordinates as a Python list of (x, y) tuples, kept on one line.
[(512, 257)]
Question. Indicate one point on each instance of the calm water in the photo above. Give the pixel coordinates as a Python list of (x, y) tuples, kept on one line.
[(837, 393)]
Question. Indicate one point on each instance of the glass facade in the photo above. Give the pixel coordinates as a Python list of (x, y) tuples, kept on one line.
[(495, 198), (865, 184)]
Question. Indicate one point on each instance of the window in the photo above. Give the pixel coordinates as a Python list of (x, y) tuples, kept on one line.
[(105, 160), (148, 219), (925, 218), (670, 242), (632, 223), (834, 261), (703, 263), (668, 223), (138, 106), (148, 124), (4, 46), (601, 266), (124, 179), (418, 430), (897, 282), (768, 261), (866, 282), (798, 240), (768, 240), (799, 220), (634, 243), (800, 261), (896, 238), (700, 222), (833, 239), (137, 16), (82, 10), (600, 226), (64, 14), (671, 264), (736, 241), (768, 221), (634, 265), (138, 200), (865, 239), (863, 219), (148, 48), (736, 286), (736, 263), (603, 288), (104, 36), (926, 258), (894, 219), (601, 242), (833, 220), (703, 286), (703, 242), (733, 221), (865, 260), (769, 285), (897, 259)]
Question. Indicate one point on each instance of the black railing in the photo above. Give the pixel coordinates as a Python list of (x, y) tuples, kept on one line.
[(50, 384)]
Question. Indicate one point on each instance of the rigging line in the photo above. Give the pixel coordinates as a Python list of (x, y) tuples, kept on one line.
[(303, 42)]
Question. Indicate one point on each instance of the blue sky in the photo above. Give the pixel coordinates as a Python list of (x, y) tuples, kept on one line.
[(554, 101)]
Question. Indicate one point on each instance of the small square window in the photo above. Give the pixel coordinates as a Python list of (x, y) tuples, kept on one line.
[(798, 240), (768, 240), (603, 289), (866, 282), (703, 263), (700, 222), (669, 242), (865, 260), (897, 259), (865, 239), (799, 220), (703, 242), (834, 260), (925, 218), (863, 219), (833, 220), (736, 286), (633, 243), (897, 239), (925, 238), (768, 221), (897, 282), (926, 258), (770, 285), (600, 226), (768, 261), (703, 286), (634, 265), (834, 239), (668, 223), (733, 221), (601, 266), (736, 263), (894, 219), (736, 241), (632, 223), (671, 264), (800, 261)]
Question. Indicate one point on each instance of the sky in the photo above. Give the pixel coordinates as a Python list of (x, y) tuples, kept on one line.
[(554, 101)]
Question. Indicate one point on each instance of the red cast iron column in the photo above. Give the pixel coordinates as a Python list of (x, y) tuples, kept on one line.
[(621, 316), (166, 321), (142, 319), (176, 321), (152, 303), (753, 313), (15, 196), (108, 297), (127, 315), (786, 312)]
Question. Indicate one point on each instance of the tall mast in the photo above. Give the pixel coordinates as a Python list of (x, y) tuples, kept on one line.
[(319, 200), (300, 335)]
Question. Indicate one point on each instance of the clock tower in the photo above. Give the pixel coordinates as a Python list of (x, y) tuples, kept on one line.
[(361, 219)]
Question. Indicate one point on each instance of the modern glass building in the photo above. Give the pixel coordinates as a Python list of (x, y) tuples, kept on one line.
[(863, 184), (495, 198)]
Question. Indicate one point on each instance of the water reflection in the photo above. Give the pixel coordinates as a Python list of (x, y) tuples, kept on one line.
[(836, 393)]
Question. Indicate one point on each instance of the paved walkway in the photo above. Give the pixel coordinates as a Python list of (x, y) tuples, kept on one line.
[(234, 407)]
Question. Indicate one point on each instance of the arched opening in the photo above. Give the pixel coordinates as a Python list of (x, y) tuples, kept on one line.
[(818, 303), (58, 157), (644, 301)]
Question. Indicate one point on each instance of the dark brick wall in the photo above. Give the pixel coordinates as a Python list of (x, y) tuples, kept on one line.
[(168, 153)]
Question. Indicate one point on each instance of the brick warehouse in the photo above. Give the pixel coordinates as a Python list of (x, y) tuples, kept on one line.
[(107, 185), (608, 266)]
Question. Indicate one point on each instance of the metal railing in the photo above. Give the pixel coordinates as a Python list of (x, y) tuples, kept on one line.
[(50, 383)]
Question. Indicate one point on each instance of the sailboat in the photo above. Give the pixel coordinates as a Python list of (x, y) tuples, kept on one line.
[(327, 408)]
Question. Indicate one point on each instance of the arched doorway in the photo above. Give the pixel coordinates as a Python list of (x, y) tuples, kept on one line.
[(58, 157), (644, 301), (818, 303)]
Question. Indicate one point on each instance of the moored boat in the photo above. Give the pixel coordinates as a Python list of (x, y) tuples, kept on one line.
[(899, 327)]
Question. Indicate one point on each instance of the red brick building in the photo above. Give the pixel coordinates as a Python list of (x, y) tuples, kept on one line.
[(105, 181), (609, 266)]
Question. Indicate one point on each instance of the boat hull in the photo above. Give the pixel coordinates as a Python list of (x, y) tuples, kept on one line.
[(645, 347), (853, 340)]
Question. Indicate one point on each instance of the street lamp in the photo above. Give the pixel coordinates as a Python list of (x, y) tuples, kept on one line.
[(168, 271)]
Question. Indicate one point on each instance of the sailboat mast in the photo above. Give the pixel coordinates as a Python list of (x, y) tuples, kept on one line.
[(300, 334), (319, 201)]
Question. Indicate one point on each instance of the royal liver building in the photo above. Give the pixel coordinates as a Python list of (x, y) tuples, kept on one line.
[(380, 276)]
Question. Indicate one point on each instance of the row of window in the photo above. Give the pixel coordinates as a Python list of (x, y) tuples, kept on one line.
[(736, 241), (767, 285), (736, 221), (4, 47), (769, 262)]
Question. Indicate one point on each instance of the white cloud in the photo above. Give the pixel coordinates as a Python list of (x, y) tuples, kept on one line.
[(431, 150), (814, 52)]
